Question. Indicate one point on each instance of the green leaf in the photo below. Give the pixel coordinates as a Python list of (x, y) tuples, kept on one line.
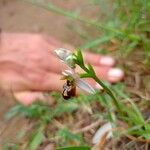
[(80, 58), (91, 69), (130, 47), (13, 111), (68, 135), (137, 111), (37, 139), (92, 43), (85, 75), (75, 148), (10, 146)]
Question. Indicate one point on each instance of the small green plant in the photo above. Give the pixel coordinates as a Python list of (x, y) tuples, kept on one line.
[(129, 114)]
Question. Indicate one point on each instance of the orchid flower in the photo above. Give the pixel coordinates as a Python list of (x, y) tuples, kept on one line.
[(82, 84), (67, 57)]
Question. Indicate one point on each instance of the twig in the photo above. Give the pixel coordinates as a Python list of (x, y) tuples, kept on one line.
[(137, 139), (87, 128)]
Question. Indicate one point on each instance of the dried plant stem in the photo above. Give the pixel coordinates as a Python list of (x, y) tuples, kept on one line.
[(87, 128)]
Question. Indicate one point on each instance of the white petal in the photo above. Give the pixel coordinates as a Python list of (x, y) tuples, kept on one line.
[(82, 84), (105, 129), (66, 57), (63, 53), (69, 72)]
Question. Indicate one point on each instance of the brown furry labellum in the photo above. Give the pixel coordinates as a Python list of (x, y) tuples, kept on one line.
[(69, 90)]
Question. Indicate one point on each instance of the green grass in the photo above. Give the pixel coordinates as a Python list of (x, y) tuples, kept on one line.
[(43, 116), (128, 22)]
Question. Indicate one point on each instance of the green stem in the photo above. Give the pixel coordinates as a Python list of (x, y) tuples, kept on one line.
[(117, 104), (108, 91)]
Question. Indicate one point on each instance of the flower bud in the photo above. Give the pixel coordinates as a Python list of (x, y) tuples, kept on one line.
[(66, 56)]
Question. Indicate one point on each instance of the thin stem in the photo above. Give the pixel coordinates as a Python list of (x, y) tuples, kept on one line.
[(104, 86), (108, 91)]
